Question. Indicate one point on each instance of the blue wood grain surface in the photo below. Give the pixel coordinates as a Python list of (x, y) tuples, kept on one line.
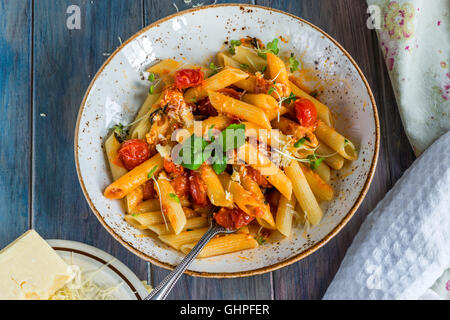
[(45, 69), (15, 106)]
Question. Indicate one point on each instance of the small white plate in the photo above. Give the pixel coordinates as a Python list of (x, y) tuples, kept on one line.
[(89, 259)]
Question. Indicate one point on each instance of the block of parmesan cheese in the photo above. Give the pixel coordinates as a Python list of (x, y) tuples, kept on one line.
[(31, 269)]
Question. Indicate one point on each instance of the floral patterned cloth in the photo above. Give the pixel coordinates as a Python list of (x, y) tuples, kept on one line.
[(414, 37)]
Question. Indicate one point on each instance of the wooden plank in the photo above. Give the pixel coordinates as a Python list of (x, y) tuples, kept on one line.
[(312, 275), (64, 63), (15, 102), (258, 287)]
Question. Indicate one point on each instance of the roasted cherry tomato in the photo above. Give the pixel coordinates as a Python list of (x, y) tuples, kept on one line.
[(149, 191), (180, 185), (171, 167), (232, 218), (187, 78), (256, 176), (197, 188), (133, 153), (306, 112)]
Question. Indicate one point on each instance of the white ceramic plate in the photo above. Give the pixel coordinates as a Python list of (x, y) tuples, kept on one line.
[(91, 259), (119, 89)]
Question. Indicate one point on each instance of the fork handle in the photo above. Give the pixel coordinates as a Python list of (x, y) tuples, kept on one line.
[(163, 289)]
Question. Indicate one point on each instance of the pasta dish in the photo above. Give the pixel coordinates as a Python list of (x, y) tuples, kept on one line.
[(241, 140)]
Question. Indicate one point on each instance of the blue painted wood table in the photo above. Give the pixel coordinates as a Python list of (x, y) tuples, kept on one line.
[(45, 69)]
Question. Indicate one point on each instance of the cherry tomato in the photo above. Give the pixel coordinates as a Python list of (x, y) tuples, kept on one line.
[(149, 191), (306, 112), (180, 185), (133, 153), (232, 218), (187, 78), (197, 189), (256, 176), (171, 167)]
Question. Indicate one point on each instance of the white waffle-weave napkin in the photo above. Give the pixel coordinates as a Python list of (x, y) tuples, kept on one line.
[(403, 247)]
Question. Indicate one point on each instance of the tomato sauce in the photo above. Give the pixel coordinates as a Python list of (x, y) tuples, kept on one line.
[(232, 218), (187, 78)]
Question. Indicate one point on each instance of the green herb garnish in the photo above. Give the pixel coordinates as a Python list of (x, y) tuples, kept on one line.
[(260, 239), (174, 197), (213, 68), (300, 142), (152, 172), (292, 97), (271, 90), (271, 47), (151, 77), (233, 44), (314, 161), (264, 69), (244, 66), (293, 63), (152, 89)]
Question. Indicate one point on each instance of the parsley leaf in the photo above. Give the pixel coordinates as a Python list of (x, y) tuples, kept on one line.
[(152, 89), (271, 90), (233, 44), (271, 47), (174, 197), (314, 162), (120, 132), (293, 63), (292, 97), (213, 68), (264, 69), (300, 142), (152, 172), (260, 239), (195, 146), (244, 66), (151, 77), (219, 166), (237, 133)]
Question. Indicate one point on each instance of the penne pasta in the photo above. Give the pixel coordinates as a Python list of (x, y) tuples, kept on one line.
[(221, 80), (324, 172), (292, 128), (134, 198), (112, 146), (331, 157), (285, 213), (216, 192), (321, 189), (336, 141), (142, 221), (225, 60), (191, 224), (267, 168), (239, 109), (134, 178), (146, 206), (248, 57), (177, 240), (170, 204), (142, 124), (278, 73), (223, 245), (266, 103), (303, 193)]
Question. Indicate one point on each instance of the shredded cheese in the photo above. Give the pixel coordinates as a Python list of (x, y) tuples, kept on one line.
[(83, 287)]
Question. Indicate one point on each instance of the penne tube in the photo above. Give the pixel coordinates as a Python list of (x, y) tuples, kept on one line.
[(191, 224), (142, 125), (164, 67), (289, 127), (266, 103), (146, 206), (215, 190), (239, 109), (285, 213), (323, 112), (170, 203), (134, 178), (272, 137), (248, 84), (278, 72), (320, 188), (248, 56), (177, 240), (266, 220), (324, 171), (216, 123), (134, 198), (267, 168), (142, 221), (299, 83), (223, 245), (303, 193), (112, 147), (336, 141), (221, 80), (331, 158), (245, 200), (225, 60)]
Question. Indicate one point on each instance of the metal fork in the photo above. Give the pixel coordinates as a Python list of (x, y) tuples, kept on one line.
[(163, 289)]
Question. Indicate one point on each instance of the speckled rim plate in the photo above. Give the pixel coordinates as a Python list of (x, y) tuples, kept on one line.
[(366, 183)]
